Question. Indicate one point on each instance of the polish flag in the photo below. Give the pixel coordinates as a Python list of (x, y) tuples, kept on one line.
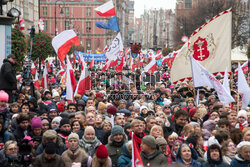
[(109, 63), (36, 81), (132, 65), (45, 80), (60, 72), (91, 65), (158, 56), (244, 67), (151, 67), (18, 76), (21, 25), (119, 67), (141, 61), (106, 10), (71, 82), (84, 81), (105, 49), (63, 42), (136, 157), (33, 68)]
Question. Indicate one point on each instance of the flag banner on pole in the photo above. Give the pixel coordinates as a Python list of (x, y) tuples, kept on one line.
[(106, 10), (70, 82), (111, 25), (136, 157), (89, 56), (243, 88), (201, 77), (115, 48), (226, 82), (210, 45)]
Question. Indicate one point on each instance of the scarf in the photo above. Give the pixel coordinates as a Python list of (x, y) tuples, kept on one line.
[(2, 108), (230, 155), (64, 135), (12, 157), (137, 139)]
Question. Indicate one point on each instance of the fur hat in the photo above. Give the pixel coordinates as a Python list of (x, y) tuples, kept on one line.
[(73, 136), (102, 152), (209, 125), (242, 113), (49, 134), (4, 96), (117, 130), (150, 141), (36, 123)]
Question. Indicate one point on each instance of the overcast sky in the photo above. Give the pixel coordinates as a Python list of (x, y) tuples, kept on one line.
[(148, 4)]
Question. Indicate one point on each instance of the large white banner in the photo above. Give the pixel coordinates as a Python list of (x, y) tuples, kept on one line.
[(115, 48)]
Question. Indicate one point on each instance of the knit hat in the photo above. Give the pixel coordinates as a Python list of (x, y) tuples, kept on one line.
[(161, 141), (57, 119), (60, 106), (36, 123), (112, 110), (143, 107), (4, 96), (102, 152), (136, 105), (150, 141), (55, 94), (242, 113), (123, 101), (129, 104), (64, 121), (73, 136), (192, 111), (99, 94), (50, 148), (101, 106), (241, 144), (209, 125), (117, 130)]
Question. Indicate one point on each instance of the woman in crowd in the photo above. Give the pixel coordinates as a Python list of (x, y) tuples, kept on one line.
[(242, 158), (229, 151), (175, 147), (76, 126), (9, 156), (156, 131)]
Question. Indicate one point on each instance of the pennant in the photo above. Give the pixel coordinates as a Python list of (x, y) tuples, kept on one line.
[(210, 44), (201, 77), (106, 10), (63, 42), (111, 25), (136, 157), (243, 88)]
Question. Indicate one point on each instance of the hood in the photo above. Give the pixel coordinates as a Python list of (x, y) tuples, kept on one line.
[(125, 151), (7, 61), (194, 154)]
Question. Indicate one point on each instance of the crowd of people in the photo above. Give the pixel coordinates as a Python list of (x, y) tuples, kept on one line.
[(40, 128)]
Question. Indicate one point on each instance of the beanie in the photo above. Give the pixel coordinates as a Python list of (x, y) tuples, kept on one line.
[(161, 141), (150, 141), (36, 123), (101, 152), (101, 106), (243, 143), (57, 119), (50, 148), (60, 106), (112, 110), (192, 111), (242, 113), (55, 94), (4, 96), (136, 106), (117, 130), (64, 121), (73, 136)]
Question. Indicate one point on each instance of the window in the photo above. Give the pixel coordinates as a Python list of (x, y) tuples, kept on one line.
[(188, 4), (88, 11), (88, 26), (88, 44), (44, 11), (66, 25), (66, 11), (45, 25)]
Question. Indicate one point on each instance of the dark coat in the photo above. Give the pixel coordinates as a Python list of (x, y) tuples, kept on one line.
[(176, 128), (239, 162), (6, 162), (19, 134), (8, 79), (157, 158), (59, 150), (125, 159), (41, 161), (99, 133)]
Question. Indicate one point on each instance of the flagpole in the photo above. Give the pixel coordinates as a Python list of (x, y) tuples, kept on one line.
[(238, 100)]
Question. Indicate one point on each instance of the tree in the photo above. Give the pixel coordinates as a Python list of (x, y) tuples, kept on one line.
[(18, 47), (76, 48)]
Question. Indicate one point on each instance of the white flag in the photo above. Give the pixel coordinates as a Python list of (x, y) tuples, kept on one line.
[(210, 45), (226, 82), (201, 77), (197, 97), (243, 88), (115, 48), (69, 88)]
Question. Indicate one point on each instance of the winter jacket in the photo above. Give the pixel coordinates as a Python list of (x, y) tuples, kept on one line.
[(20, 134), (89, 146), (101, 135), (5, 117), (8, 79), (6, 162), (157, 158), (115, 149), (125, 159), (176, 128), (238, 161), (69, 157), (41, 161)]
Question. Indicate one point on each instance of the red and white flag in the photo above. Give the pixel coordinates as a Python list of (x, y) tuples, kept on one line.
[(91, 65), (71, 82), (158, 56), (84, 82), (41, 25), (120, 66), (141, 60), (105, 49), (63, 42), (226, 82), (243, 88), (136, 157), (21, 25), (132, 64), (244, 68), (36, 81), (106, 10), (45, 79), (201, 77), (151, 67), (60, 72), (210, 44), (33, 68)]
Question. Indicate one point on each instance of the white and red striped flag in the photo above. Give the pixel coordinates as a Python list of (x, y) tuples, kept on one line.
[(45, 79), (151, 67), (63, 42), (21, 25), (84, 82), (33, 68), (71, 82), (136, 157), (91, 65), (36, 81), (120, 66), (106, 10), (244, 68)]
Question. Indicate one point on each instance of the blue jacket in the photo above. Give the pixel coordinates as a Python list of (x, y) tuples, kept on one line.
[(125, 159), (239, 162)]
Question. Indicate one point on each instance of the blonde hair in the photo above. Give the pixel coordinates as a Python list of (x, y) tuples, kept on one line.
[(202, 111), (156, 127), (96, 162), (135, 121), (8, 143), (186, 129)]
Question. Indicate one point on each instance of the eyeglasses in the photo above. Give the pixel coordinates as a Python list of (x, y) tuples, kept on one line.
[(231, 145), (12, 149)]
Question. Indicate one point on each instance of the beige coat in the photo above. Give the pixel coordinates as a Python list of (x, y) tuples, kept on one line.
[(69, 157)]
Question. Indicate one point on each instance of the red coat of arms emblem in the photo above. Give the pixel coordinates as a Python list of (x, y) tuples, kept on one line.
[(200, 49)]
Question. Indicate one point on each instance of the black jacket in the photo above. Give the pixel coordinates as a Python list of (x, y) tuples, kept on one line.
[(8, 76)]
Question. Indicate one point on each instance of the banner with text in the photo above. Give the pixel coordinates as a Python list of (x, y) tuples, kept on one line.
[(89, 56)]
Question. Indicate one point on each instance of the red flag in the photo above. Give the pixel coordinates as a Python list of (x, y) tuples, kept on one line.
[(63, 42), (84, 81), (33, 68), (48, 68), (109, 63), (45, 80), (105, 49), (119, 67), (136, 157), (42, 62), (36, 81), (91, 63)]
